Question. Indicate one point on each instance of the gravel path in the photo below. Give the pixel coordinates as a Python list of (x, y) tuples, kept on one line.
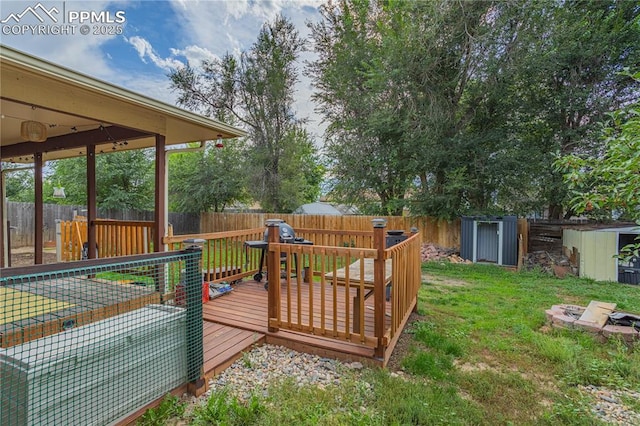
[(608, 405), (269, 363)]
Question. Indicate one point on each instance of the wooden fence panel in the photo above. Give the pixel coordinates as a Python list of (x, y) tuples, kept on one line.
[(21, 217), (440, 232)]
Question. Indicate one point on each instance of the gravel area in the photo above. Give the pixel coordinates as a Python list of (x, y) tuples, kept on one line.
[(267, 364), (608, 405)]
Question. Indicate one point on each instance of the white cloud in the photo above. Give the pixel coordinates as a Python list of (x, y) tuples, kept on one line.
[(199, 30), (194, 54), (145, 50), (155, 87)]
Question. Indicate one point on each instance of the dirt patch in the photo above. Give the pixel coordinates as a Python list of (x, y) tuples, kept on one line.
[(24, 256), (448, 282), (405, 342)]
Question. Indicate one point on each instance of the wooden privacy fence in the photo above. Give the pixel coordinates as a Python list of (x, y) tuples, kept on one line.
[(440, 232), (113, 238), (436, 231), (21, 218)]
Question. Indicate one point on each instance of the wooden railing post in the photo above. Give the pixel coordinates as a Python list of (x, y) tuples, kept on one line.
[(273, 272), (379, 242), (418, 273)]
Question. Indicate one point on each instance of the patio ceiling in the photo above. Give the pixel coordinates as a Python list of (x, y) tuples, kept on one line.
[(78, 110)]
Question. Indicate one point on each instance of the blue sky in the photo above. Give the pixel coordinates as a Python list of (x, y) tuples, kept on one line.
[(148, 38)]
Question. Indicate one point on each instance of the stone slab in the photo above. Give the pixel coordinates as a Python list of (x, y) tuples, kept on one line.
[(597, 313)]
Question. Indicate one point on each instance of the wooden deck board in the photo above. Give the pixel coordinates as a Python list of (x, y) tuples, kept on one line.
[(246, 308), (224, 344)]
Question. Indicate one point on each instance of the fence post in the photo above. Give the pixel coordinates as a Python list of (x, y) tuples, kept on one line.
[(273, 271), (379, 272), (196, 383)]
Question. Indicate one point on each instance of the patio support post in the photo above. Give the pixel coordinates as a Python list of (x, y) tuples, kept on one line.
[(192, 281), (273, 272), (160, 215), (92, 210), (39, 219), (379, 242), (4, 217)]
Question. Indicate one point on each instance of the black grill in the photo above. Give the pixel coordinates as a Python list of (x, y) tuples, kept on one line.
[(287, 234), (394, 237)]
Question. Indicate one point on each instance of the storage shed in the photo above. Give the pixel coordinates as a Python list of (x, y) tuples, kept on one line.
[(492, 239), (594, 252)]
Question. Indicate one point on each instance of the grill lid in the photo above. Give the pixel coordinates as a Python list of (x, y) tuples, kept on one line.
[(287, 233)]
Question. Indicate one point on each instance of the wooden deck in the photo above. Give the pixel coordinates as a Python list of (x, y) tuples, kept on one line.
[(223, 345), (237, 320)]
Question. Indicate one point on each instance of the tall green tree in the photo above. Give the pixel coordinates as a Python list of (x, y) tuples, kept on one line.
[(124, 180), (391, 78), (566, 78), (207, 180), (19, 184), (467, 102), (608, 183), (256, 90)]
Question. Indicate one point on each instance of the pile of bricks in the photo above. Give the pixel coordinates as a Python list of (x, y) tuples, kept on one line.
[(432, 252), (549, 262), (593, 319)]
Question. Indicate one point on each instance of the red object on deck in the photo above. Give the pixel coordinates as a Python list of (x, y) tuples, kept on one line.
[(180, 296)]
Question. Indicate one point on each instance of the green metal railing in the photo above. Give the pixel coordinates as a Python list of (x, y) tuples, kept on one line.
[(90, 342)]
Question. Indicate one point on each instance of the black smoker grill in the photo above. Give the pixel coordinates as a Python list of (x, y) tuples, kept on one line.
[(287, 235)]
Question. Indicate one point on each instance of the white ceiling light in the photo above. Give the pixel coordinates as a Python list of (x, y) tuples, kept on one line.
[(33, 131)]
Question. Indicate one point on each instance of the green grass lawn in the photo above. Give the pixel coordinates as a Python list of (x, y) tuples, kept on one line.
[(481, 352)]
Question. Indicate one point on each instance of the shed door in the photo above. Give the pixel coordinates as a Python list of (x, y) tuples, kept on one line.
[(628, 269), (487, 242)]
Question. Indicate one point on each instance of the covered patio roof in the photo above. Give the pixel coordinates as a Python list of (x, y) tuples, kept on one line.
[(79, 110), (85, 117)]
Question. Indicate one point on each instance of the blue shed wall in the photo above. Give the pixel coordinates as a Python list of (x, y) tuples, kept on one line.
[(510, 240), (466, 238), (486, 241)]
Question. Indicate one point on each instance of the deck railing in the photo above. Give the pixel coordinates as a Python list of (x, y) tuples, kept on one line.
[(225, 256), (337, 238), (345, 285), (113, 238), (374, 289), (406, 269), (315, 274)]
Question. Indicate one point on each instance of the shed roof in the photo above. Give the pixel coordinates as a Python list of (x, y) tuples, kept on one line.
[(319, 208), (623, 230), (79, 110)]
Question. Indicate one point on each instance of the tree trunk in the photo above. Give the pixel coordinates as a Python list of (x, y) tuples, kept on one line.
[(555, 211)]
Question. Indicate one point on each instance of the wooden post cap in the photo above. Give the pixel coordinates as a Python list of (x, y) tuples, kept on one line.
[(379, 223)]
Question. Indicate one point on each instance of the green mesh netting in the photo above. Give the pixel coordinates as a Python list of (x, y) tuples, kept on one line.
[(90, 345)]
